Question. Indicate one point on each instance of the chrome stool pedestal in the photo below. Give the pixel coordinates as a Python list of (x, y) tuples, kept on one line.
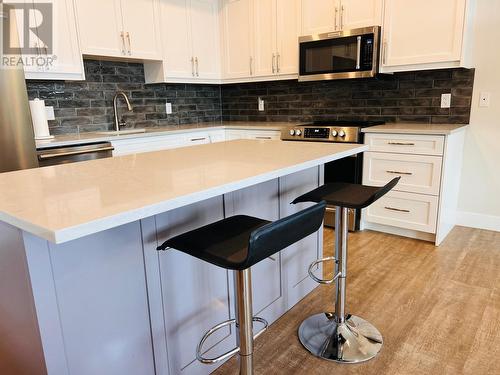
[(337, 336)]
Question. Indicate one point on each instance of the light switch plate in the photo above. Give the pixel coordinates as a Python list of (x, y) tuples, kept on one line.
[(484, 99), (446, 101), (168, 107), (261, 104)]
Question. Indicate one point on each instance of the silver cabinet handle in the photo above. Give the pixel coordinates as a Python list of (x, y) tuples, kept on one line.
[(274, 259), (336, 14), (401, 173), (129, 44), (401, 143), (396, 209), (274, 63), (197, 139), (122, 34), (263, 138), (192, 66), (342, 17), (358, 54), (278, 62), (69, 153), (197, 67), (251, 65)]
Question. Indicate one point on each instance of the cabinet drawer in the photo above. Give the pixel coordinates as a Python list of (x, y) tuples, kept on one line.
[(263, 135), (405, 210), (419, 174), (406, 143)]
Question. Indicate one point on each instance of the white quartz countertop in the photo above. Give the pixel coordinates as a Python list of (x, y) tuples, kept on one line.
[(406, 128), (66, 202), (88, 137)]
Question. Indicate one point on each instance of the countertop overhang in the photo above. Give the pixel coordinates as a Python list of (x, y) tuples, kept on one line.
[(66, 202), (409, 128)]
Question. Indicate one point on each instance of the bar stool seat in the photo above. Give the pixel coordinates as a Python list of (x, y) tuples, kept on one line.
[(347, 195), (237, 243), (339, 336)]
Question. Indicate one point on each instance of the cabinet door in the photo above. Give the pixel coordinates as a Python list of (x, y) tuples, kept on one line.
[(141, 27), (206, 38), (360, 13), (264, 37), (261, 201), (298, 257), (288, 20), (100, 26), (407, 42), (65, 61), (176, 38), (237, 31), (319, 16), (195, 293)]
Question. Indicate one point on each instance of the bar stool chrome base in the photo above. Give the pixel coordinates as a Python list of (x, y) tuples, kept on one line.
[(353, 341)]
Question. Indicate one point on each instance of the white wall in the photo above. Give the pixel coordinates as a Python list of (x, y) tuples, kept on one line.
[(479, 202)]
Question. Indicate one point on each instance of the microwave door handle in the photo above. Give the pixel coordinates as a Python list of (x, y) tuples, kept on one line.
[(358, 54)]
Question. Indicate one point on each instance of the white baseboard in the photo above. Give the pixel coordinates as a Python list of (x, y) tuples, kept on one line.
[(480, 221)]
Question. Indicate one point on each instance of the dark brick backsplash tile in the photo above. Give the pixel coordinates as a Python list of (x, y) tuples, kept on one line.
[(413, 96)]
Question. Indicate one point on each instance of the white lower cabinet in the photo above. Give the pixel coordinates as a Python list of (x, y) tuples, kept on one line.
[(165, 142), (195, 293), (405, 210), (424, 202), (263, 135)]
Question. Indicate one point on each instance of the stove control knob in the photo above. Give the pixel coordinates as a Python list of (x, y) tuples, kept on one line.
[(292, 132), (334, 133), (342, 133), (298, 132)]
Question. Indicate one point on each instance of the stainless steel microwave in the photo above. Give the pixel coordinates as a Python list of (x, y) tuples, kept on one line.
[(340, 54)]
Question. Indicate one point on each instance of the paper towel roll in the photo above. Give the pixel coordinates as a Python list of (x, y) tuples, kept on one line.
[(39, 118)]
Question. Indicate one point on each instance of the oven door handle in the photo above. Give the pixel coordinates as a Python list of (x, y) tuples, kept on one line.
[(358, 54)]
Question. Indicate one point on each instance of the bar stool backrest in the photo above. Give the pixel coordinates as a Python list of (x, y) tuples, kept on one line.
[(273, 237)]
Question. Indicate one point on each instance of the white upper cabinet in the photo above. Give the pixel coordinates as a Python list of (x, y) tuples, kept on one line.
[(287, 39), (322, 16), (236, 25), (60, 57), (119, 28), (100, 26), (191, 43), (205, 34), (264, 37), (360, 13), (141, 28), (271, 39), (176, 35), (418, 33), (318, 16)]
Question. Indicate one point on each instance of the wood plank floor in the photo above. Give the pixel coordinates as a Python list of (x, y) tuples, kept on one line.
[(438, 309)]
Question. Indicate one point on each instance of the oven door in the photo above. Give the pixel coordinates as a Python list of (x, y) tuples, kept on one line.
[(339, 55), (344, 170)]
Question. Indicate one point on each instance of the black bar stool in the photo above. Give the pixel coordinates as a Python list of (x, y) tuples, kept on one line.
[(237, 243), (341, 337)]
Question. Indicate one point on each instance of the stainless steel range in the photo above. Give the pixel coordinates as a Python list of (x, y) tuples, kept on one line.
[(344, 170)]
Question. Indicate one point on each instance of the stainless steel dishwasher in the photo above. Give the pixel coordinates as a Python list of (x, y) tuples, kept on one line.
[(74, 153)]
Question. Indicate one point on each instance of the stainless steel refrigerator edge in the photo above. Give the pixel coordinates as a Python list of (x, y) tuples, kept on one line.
[(17, 141)]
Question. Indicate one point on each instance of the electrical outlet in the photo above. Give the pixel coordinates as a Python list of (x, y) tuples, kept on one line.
[(446, 101), (168, 107), (484, 99), (261, 104), (50, 112)]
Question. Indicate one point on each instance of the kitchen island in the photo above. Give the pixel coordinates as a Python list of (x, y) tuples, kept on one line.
[(83, 289)]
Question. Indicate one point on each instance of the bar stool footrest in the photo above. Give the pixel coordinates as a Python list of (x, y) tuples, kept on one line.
[(317, 279), (231, 352)]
